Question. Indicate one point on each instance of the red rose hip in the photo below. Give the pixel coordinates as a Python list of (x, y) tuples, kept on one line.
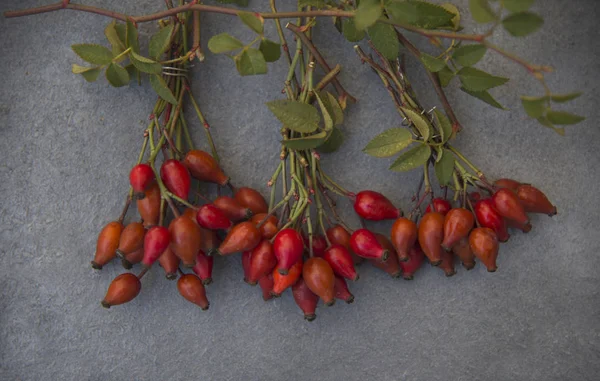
[(374, 206), (288, 248)]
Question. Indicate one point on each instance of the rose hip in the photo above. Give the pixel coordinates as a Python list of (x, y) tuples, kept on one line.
[(488, 217), (266, 285), (241, 237), (535, 201), (341, 290), (484, 244), (212, 218), (404, 236), (132, 239), (374, 206), (416, 259), (262, 261), (440, 205), (341, 262), (210, 242), (140, 178), (525, 228), (431, 234), (447, 264), (391, 266), (192, 289), (204, 167), (269, 228), (156, 241), (124, 288), (305, 299), (462, 250), (507, 183), (507, 204), (246, 256), (170, 263), (338, 235), (176, 178), (107, 244), (457, 225), (319, 277), (364, 243), (251, 199), (232, 209), (132, 258), (282, 282), (319, 244), (149, 206), (204, 267), (186, 240), (288, 248)]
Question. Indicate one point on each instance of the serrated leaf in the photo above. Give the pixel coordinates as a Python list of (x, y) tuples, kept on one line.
[(350, 31), (563, 117), (484, 96), (308, 142), (385, 40), (546, 123), (160, 87), (419, 122), (296, 116), (445, 76), (469, 55), (312, 3), (270, 50), (518, 5), (522, 23), (222, 43), (478, 80), (117, 75), (252, 21), (534, 106), (481, 11), (562, 98), (113, 38), (132, 40), (144, 64), (91, 74), (93, 53), (411, 159), (327, 118), (419, 13), (367, 13), (336, 110), (78, 69), (444, 167), (455, 22), (251, 62), (389, 142), (431, 63), (333, 142), (443, 124), (159, 43)]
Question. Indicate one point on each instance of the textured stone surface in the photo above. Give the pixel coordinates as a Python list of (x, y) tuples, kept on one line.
[(66, 149)]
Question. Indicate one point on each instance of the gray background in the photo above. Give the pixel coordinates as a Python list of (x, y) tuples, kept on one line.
[(67, 147)]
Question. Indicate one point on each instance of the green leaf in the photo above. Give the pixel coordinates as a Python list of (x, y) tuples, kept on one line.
[(419, 13), (546, 123), (132, 71), (534, 106), (481, 11), (432, 64), (518, 5), (443, 124), (522, 23), (132, 37), (411, 159), (122, 33), (270, 50), (117, 75), (252, 21), (145, 65), (562, 98), (159, 43), (327, 118), (296, 116), (308, 142), (333, 142), (78, 69), (455, 22), (312, 3), (336, 110), (445, 76), (477, 80), (485, 97), (89, 73), (93, 53), (224, 42), (444, 168), (251, 62), (113, 38), (385, 40), (469, 55), (367, 13), (419, 121), (350, 31), (160, 86), (563, 117), (389, 142)]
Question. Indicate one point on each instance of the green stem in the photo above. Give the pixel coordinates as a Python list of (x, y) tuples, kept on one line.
[(125, 52), (478, 172), (273, 184), (206, 126)]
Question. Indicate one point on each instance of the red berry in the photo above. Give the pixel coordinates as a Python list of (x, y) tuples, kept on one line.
[(232, 209), (141, 177), (176, 178), (457, 225), (149, 206), (507, 183), (364, 243), (484, 244), (262, 261), (204, 267), (204, 167), (282, 282), (124, 288), (269, 228), (447, 264), (416, 259), (374, 206), (156, 241), (107, 244), (251, 199), (266, 285), (341, 290), (192, 289), (305, 299), (391, 266), (319, 277), (319, 244), (132, 239), (241, 237), (463, 251), (440, 205), (431, 234), (535, 201), (488, 217), (288, 248), (212, 218), (341, 262), (170, 263), (507, 204), (338, 235), (404, 236), (186, 239)]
